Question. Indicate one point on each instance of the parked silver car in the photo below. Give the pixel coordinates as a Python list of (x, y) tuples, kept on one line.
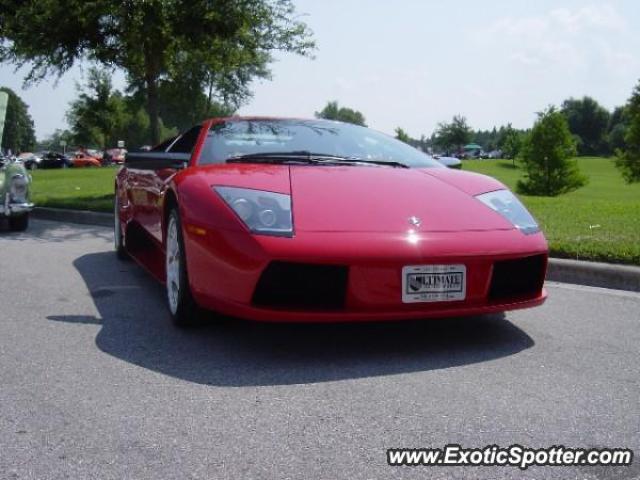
[(15, 192)]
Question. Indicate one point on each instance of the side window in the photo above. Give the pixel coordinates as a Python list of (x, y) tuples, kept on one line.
[(187, 141)]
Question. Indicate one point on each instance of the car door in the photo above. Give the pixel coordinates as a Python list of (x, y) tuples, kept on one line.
[(152, 183), (139, 172)]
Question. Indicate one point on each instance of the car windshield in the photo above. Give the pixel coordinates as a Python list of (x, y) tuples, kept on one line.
[(233, 139)]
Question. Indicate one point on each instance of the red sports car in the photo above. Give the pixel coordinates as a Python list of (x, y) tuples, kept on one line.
[(314, 220)]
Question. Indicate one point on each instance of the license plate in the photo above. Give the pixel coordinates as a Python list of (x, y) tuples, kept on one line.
[(433, 283)]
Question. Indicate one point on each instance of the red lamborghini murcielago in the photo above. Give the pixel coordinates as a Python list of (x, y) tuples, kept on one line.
[(313, 220)]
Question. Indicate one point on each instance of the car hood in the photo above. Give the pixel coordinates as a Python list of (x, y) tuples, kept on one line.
[(367, 199), (381, 199)]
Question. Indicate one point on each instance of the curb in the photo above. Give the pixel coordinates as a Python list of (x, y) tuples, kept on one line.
[(73, 216), (592, 274)]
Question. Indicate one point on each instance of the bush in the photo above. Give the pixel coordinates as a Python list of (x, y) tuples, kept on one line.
[(628, 158), (547, 157)]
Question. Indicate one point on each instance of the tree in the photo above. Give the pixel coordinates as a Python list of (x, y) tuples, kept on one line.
[(153, 40), (403, 136), (52, 142), (19, 134), (101, 115), (98, 112), (332, 111), (510, 142), (628, 158), (588, 120), (617, 129), (183, 103), (547, 156), (455, 134)]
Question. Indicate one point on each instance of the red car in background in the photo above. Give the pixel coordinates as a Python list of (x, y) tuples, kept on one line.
[(314, 220), (114, 155), (83, 159)]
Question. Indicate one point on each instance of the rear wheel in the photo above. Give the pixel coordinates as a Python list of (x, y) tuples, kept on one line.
[(183, 308), (20, 223)]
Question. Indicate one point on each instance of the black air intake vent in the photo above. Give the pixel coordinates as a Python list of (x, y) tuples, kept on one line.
[(302, 286), (517, 278)]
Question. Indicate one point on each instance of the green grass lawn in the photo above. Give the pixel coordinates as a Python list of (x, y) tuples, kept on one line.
[(600, 221), (77, 188)]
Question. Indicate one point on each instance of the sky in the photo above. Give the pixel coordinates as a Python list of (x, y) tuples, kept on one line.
[(415, 63)]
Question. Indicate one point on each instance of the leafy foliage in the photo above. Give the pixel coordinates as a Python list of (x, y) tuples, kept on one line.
[(547, 156), (588, 120), (618, 123), (101, 116), (18, 135), (510, 141), (52, 142), (628, 158), (221, 45), (98, 113), (453, 135), (332, 111), (403, 136)]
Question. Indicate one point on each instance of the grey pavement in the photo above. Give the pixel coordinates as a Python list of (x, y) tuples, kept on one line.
[(96, 383)]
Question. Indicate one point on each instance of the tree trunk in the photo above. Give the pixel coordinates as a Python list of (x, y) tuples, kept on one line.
[(152, 109), (209, 97)]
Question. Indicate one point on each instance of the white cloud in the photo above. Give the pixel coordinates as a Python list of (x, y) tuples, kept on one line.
[(573, 40), (592, 16)]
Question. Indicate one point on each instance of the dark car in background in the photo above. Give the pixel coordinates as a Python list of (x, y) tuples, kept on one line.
[(30, 160), (55, 160)]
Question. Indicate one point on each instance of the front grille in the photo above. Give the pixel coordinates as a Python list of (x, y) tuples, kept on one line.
[(517, 277), (301, 285)]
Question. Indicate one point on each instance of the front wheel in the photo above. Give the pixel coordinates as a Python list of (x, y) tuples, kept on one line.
[(183, 308), (20, 223)]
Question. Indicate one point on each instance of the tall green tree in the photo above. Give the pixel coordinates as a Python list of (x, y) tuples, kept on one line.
[(98, 113), (52, 142), (152, 40), (588, 120), (455, 134), (333, 111), (101, 116), (547, 157), (182, 103), (628, 157), (617, 129), (510, 141), (19, 134)]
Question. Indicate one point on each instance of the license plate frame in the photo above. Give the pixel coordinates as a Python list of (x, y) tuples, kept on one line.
[(434, 283)]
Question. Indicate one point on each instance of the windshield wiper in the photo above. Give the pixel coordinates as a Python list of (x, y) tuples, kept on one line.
[(309, 157), (384, 163)]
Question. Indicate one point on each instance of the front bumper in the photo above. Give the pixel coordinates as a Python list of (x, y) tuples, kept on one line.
[(8, 209), (427, 311), (225, 268)]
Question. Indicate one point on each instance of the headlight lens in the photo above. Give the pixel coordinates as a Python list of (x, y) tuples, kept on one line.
[(265, 213), (507, 204), (18, 189)]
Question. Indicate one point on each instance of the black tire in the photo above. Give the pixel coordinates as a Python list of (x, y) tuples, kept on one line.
[(118, 239), (184, 310), (19, 223)]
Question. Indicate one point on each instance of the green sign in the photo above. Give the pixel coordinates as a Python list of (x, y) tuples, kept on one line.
[(4, 100)]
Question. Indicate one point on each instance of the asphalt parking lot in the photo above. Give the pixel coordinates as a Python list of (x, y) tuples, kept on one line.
[(96, 383)]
